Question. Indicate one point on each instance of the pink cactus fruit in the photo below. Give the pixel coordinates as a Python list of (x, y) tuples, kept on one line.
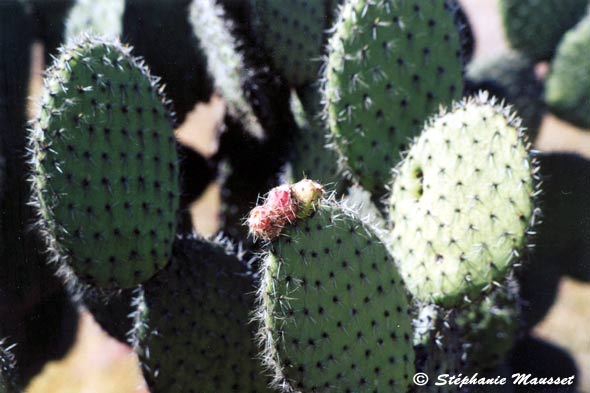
[(282, 204), (262, 223)]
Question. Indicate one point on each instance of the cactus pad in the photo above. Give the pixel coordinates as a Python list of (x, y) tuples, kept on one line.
[(568, 84), (438, 346), (293, 32), (192, 328), (535, 27), (462, 203), (391, 64), (312, 158), (224, 62), (95, 17), (104, 162), (489, 327), (334, 312)]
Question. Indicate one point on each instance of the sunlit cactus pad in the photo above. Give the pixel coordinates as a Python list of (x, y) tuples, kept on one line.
[(105, 171), (462, 202)]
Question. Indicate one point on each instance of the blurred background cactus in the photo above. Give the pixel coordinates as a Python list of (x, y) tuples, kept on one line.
[(442, 228)]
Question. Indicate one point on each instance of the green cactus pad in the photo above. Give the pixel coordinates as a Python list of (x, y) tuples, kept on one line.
[(535, 27), (193, 331), (224, 61), (103, 17), (568, 84), (293, 33), (462, 202), (489, 327), (391, 64), (511, 76), (104, 161), (7, 372), (312, 158), (334, 311)]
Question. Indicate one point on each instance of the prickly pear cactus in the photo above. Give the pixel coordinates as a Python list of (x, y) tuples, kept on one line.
[(489, 328), (511, 77), (462, 202), (568, 84), (193, 331), (104, 164), (293, 33), (224, 61), (334, 312), (535, 27), (7, 366), (95, 17), (438, 346), (391, 64)]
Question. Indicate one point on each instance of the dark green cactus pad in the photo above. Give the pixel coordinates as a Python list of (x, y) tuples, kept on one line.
[(311, 157), (293, 33), (103, 17), (7, 370), (463, 202), (536, 27), (334, 312), (161, 33), (104, 161), (489, 328), (438, 347), (568, 84), (193, 332), (563, 236), (511, 77), (391, 64)]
